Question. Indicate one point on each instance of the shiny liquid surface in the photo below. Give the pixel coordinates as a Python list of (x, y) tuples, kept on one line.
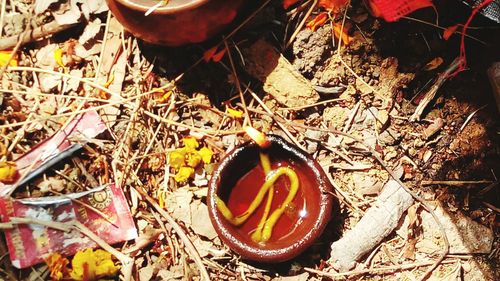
[(247, 187)]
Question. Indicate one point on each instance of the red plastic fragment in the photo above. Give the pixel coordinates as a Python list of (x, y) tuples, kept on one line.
[(392, 10)]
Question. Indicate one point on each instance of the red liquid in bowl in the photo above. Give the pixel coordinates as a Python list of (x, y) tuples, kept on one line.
[(245, 190)]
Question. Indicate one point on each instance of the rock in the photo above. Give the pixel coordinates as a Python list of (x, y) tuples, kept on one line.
[(362, 180), (280, 79), (465, 235), (335, 117), (389, 137), (310, 48), (311, 137), (433, 128)]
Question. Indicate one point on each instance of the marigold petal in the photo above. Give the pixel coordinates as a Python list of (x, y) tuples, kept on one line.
[(234, 113), (83, 264), (206, 154), (176, 159), (184, 174), (5, 56), (58, 266), (8, 172), (58, 56), (90, 265), (193, 159), (190, 142)]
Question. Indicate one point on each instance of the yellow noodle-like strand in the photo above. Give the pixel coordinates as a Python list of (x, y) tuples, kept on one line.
[(273, 218), (266, 166), (271, 178)]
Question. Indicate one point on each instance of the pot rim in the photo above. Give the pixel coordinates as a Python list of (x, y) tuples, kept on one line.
[(163, 10), (292, 250)]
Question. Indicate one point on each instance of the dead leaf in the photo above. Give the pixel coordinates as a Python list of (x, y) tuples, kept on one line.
[(146, 272), (203, 247), (178, 203), (173, 273), (201, 224), (90, 31), (433, 64), (42, 5), (68, 14)]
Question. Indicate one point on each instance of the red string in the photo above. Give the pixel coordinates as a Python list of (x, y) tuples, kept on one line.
[(463, 58)]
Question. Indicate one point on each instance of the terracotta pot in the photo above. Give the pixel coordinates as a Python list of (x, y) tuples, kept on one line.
[(312, 205), (178, 23)]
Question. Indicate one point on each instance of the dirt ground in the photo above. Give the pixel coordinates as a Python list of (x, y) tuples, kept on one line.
[(368, 89)]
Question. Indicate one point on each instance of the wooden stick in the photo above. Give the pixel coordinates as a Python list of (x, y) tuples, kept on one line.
[(384, 269), (431, 93), (454, 183), (34, 34)]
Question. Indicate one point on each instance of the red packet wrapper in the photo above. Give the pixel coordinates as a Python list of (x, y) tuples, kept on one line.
[(83, 127), (29, 244), (392, 10)]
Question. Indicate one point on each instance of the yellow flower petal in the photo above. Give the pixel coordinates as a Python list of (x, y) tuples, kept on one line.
[(161, 198), (183, 174), (163, 98), (105, 265), (8, 172), (58, 266), (193, 159), (176, 159), (58, 56), (5, 56), (190, 143), (83, 265), (234, 113), (90, 265), (206, 154)]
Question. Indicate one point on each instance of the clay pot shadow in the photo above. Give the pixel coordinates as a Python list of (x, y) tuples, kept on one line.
[(237, 180)]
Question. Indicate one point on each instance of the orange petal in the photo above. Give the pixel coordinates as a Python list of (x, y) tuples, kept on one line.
[(318, 21), (332, 5), (217, 57), (449, 31), (208, 54), (340, 33)]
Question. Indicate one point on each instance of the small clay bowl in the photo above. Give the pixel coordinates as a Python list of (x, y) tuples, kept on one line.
[(178, 23), (237, 180)]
